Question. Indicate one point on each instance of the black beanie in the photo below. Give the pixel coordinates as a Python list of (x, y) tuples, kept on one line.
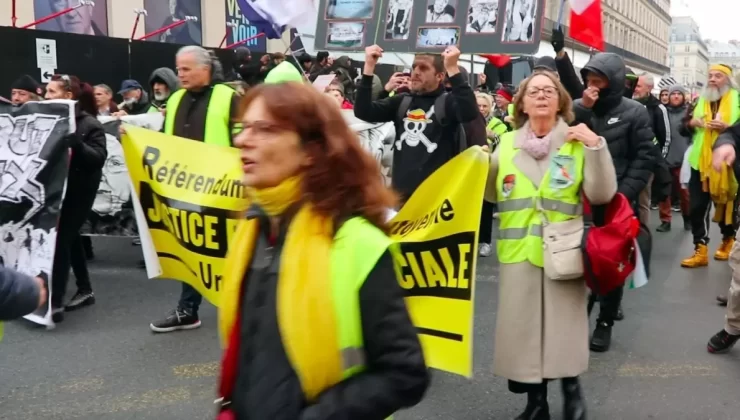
[(546, 63), (27, 83)]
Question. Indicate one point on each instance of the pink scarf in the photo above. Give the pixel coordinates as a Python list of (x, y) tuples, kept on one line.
[(538, 148)]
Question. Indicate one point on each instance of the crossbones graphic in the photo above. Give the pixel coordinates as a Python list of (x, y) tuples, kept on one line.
[(415, 123)]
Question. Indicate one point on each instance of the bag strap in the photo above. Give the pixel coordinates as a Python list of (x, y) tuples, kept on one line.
[(404, 107), (440, 109)]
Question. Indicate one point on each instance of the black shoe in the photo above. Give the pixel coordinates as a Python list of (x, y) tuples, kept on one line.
[(619, 315), (574, 408), (176, 320), (537, 407), (80, 300), (676, 209), (602, 338), (653, 207), (142, 264), (664, 227), (722, 300), (687, 225), (722, 342), (57, 314)]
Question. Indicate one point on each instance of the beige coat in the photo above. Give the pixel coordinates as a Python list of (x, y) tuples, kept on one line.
[(541, 325)]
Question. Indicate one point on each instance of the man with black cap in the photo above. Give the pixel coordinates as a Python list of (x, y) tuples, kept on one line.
[(25, 89), (135, 98), (627, 128)]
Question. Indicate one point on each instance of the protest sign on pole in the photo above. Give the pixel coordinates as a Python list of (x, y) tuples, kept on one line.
[(474, 26), (191, 208), (113, 212), (34, 161)]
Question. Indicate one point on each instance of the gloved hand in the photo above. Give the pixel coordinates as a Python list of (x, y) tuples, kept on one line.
[(73, 140), (558, 40)]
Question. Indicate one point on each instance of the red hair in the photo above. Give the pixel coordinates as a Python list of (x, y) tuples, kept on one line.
[(343, 180)]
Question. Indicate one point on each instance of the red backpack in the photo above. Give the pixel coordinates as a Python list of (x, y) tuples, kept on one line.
[(608, 249)]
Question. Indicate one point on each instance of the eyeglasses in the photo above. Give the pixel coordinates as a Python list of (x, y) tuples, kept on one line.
[(549, 91)]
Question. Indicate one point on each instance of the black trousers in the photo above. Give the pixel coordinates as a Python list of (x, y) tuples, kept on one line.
[(485, 231), (700, 210), (69, 251)]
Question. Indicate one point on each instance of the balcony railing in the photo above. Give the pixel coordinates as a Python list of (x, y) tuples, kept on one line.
[(550, 25)]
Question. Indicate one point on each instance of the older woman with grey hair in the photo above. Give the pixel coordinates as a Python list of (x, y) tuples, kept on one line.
[(537, 176)]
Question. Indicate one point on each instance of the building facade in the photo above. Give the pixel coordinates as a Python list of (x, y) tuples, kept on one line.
[(635, 29), (725, 53), (688, 53), (116, 18)]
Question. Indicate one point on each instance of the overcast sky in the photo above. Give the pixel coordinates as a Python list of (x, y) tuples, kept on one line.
[(717, 19)]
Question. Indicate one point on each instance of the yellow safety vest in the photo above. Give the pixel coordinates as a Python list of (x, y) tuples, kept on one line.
[(698, 139), (357, 247), (152, 109), (521, 206), (497, 126), (217, 117)]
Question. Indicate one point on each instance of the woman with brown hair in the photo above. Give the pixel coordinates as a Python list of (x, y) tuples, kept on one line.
[(537, 177), (313, 319)]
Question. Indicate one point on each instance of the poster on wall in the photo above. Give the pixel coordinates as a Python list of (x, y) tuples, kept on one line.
[(161, 13), (241, 29), (85, 20), (34, 157), (474, 26)]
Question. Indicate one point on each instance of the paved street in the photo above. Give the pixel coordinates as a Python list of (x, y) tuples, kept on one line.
[(103, 362)]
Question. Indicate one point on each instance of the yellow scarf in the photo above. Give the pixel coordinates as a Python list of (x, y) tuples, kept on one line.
[(722, 185), (304, 306)]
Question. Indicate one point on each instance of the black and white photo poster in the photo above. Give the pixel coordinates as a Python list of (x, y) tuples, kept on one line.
[(34, 160), (520, 21), (113, 212), (482, 17), (398, 19)]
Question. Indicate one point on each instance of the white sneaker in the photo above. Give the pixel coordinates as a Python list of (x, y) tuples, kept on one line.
[(484, 250)]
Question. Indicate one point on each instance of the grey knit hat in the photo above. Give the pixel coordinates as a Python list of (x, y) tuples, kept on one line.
[(676, 88)]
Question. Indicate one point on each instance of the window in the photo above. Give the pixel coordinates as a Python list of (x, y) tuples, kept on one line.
[(671, 63), (686, 61), (687, 48), (685, 79)]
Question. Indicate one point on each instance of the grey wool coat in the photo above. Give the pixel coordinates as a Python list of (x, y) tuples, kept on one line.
[(541, 325)]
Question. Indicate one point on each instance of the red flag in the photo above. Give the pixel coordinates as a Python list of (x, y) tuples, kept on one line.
[(498, 60), (586, 24)]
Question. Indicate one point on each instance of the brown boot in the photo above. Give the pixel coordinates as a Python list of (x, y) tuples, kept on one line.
[(699, 259), (723, 252)]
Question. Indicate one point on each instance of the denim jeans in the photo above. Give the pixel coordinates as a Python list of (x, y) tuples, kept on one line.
[(190, 299)]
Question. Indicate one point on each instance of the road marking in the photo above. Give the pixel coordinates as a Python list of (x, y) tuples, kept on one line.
[(197, 370), (666, 370), (82, 385)]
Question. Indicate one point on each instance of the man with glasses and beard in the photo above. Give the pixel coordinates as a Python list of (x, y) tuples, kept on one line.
[(717, 109)]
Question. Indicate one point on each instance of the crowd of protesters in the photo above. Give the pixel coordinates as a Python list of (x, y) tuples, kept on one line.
[(629, 142)]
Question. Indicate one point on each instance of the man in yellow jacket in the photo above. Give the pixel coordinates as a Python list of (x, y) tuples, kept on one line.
[(717, 109)]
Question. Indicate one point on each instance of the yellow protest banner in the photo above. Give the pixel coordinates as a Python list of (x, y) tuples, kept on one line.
[(190, 194), (437, 229)]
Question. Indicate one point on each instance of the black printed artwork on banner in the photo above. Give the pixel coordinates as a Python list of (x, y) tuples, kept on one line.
[(34, 162), (113, 211)]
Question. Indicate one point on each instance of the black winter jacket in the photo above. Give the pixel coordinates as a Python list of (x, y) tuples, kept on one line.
[(659, 116), (624, 123), (267, 386), (568, 76), (89, 153)]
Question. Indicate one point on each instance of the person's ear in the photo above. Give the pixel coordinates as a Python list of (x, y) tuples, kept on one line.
[(68, 95)]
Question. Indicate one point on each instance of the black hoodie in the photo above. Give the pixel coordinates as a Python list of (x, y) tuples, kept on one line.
[(624, 123)]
